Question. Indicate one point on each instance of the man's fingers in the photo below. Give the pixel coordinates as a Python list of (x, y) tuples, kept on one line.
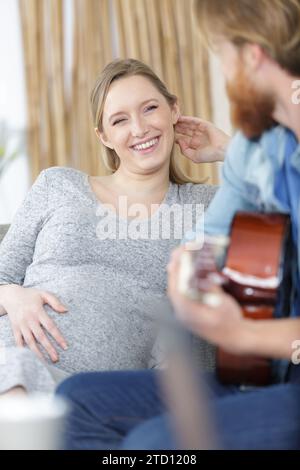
[(212, 299), (172, 279), (176, 253)]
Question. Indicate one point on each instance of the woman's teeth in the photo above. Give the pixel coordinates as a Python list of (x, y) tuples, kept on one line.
[(146, 145)]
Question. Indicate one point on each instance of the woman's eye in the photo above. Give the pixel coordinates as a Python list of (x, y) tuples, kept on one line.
[(118, 121), (152, 106)]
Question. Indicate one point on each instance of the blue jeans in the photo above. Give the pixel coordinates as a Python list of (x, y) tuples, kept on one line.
[(124, 409)]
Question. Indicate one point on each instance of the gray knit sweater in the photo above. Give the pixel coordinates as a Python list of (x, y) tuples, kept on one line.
[(63, 241)]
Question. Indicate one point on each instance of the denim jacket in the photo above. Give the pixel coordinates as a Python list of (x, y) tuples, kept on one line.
[(248, 181), (248, 184)]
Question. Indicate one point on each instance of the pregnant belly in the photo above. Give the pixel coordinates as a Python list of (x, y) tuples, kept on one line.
[(104, 339), (107, 326), (99, 340)]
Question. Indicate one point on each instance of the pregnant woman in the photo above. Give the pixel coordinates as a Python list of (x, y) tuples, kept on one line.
[(81, 261)]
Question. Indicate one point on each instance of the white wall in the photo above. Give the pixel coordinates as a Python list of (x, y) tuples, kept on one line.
[(221, 115), (16, 181)]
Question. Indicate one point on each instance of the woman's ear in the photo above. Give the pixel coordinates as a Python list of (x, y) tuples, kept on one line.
[(175, 113), (103, 138)]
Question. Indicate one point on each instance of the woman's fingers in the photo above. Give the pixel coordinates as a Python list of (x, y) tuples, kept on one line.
[(52, 329), (31, 342), (187, 149), (196, 139), (53, 301), (18, 337), (191, 130), (32, 332), (41, 337), (192, 121), (184, 131), (183, 144)]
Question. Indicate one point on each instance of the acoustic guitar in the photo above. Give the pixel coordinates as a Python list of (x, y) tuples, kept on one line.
[(254, 265)]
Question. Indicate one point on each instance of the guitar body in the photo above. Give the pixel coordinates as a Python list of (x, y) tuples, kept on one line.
[(255, 268), (258, 272)]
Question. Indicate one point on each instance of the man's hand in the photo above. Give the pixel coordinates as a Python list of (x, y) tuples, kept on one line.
[(218, 320), (200, 140)]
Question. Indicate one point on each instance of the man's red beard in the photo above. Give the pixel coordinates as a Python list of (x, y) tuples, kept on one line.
[(251, 110)]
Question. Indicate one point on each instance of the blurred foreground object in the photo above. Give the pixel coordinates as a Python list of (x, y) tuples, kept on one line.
[(183, 390), (32, 422)]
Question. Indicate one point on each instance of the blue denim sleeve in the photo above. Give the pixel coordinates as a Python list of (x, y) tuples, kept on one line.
[(231, 196)]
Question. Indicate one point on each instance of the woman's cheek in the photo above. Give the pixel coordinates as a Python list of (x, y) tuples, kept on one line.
[(121, 139)]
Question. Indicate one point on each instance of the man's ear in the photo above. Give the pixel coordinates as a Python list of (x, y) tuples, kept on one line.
[(175, 113), (103, 138)]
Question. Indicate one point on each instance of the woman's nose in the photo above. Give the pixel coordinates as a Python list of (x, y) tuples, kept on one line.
[(139, 127)]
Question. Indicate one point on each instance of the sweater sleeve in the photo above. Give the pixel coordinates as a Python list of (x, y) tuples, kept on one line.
[(17, 247)]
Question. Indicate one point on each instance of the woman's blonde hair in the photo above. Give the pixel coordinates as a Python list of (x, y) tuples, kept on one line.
[(121, 68), (273, 24)]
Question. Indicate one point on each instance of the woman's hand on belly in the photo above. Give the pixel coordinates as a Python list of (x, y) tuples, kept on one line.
[(29, 320)]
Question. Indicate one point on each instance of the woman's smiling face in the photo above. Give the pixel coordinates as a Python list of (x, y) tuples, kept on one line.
[(138, 124)]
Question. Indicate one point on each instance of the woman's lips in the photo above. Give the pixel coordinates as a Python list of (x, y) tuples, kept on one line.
[(145, 151)]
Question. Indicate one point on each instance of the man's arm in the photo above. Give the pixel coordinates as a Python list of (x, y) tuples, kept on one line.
[(219, 320), (275, 338)]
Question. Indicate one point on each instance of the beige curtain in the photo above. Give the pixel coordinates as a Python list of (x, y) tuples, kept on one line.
[(162, 33)]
